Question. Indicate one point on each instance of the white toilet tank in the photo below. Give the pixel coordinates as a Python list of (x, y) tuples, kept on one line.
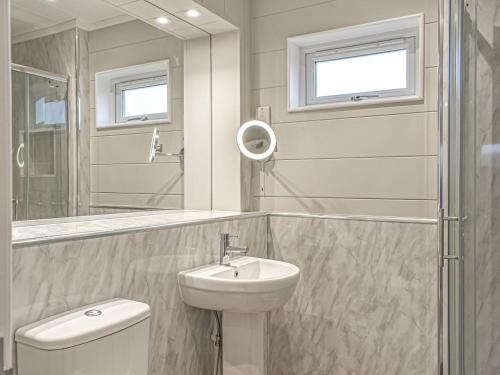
[(107, 338)]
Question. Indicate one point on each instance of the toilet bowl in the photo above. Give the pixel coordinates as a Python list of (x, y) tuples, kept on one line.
[(107, 338)]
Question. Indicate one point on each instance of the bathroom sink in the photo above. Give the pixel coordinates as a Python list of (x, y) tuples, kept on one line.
[(247, 285)]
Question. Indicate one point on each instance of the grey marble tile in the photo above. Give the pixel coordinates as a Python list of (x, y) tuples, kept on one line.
[(482, 203), (54, 53), (482, 262), (366, 301), (83, 123), (52, 278)]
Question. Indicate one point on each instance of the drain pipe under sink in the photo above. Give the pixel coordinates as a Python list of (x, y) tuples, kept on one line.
[(217, 340)]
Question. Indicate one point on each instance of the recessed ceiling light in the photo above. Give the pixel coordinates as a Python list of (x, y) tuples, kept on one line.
[(162, 20), (193, 13)]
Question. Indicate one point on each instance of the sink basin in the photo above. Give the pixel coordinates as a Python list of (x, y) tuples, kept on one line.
[(248, 285), (244, 291)]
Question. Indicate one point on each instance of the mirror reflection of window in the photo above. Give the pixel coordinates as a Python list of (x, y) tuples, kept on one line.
[(51, 112), (142, 94), (142, 99)]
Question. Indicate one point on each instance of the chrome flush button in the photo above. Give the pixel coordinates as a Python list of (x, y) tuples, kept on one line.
[(93, 312)]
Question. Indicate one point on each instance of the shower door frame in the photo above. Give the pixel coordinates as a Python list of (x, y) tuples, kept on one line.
[(38, 72), (452, 211)]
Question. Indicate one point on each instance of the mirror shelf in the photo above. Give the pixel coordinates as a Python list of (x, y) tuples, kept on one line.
[(33, 232)]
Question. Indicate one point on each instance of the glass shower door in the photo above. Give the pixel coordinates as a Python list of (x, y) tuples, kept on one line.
[(20, 86), (40, 146), (474, 188), (462, 190)]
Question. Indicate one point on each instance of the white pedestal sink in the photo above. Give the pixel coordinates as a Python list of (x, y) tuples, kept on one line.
[(244, 291)]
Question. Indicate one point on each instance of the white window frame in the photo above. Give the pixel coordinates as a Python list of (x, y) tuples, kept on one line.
[(107, 97), (135, 83), (388, 35), (312, 57)]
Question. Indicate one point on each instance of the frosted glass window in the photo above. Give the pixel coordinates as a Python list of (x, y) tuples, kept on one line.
[(367, 64), (361, 74), (144, 101)]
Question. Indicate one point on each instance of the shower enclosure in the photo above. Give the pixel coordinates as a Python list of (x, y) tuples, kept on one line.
[(40, 144), (472, 200)]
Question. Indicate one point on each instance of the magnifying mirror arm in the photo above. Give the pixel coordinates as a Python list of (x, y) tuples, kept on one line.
[(180, 155), (159, 150)]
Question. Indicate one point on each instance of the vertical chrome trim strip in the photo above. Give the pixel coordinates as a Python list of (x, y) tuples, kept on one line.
[(27, 147), (440, 309), (211, 122), (441, 144), (440, 208), (76, 164), (453, 203)]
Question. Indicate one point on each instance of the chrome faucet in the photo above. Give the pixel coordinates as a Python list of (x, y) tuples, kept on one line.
[(226, 249)]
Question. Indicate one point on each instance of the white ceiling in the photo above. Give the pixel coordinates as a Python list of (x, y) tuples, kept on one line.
[(180, 24), (33, 15), (31, 18)]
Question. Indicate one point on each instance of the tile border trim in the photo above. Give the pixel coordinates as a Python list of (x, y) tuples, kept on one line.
[(390, 219), (240, 216)]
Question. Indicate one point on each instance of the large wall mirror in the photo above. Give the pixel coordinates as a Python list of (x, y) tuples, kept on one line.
[(97, 86)]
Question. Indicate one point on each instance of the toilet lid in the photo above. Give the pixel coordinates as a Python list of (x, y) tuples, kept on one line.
[(82, 325)]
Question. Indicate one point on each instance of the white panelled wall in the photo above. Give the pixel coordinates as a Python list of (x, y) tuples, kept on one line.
[(216, 148), (120, 172), (198, 124), (375, 160)]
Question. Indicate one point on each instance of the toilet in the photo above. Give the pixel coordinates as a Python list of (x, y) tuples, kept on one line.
[(107, 338)]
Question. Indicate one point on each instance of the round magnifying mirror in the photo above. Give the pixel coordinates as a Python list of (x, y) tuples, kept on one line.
[(256, 140)]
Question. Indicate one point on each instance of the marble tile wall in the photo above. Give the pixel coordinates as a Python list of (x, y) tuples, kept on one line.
[(485, 260), (83, 123), (366, 301), (52, 278), (469, 173)]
